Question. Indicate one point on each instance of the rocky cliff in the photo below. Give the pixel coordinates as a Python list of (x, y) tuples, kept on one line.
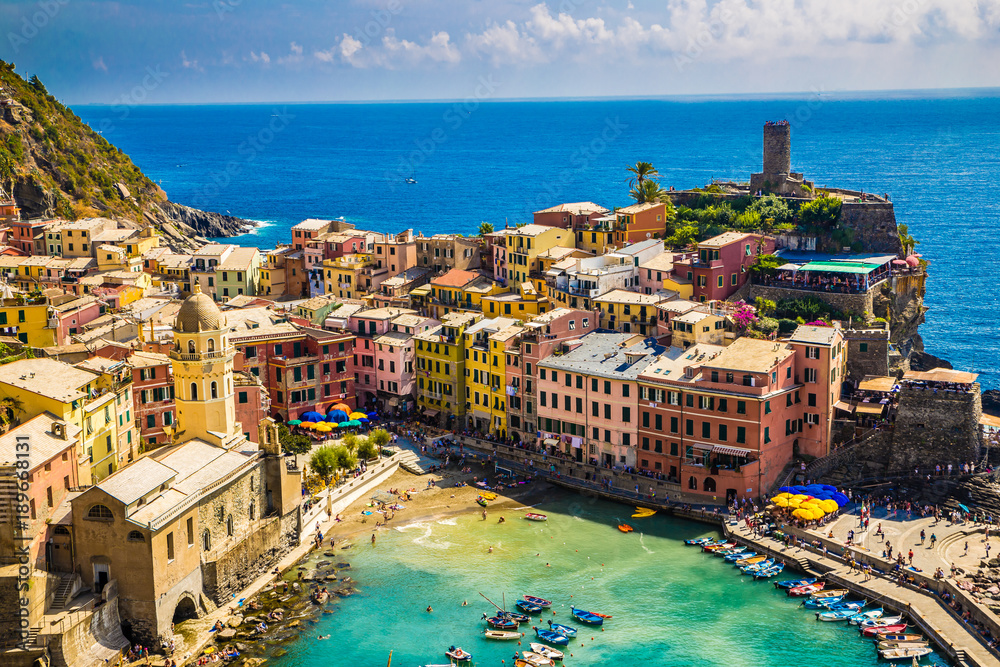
[(54, 165)]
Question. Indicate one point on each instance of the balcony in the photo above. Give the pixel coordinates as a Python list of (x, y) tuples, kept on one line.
[(198, 357)]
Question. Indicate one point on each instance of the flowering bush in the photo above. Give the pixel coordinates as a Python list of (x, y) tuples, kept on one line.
[(817, 323), (744, 315)]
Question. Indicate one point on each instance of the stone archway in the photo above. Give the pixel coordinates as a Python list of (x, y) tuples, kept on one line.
[(187, 607)]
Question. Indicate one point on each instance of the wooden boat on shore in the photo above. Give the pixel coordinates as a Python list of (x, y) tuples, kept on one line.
[(503, 635), (551, 637), (875, 630), (625, 528), (898, 637), (564, 630), (751, 560), (793, 583), (531, 516), (458, 654), (528, 607), (905, 653), (808, 589), (586, 616), (537, 659), (548, 652), (540, 602)]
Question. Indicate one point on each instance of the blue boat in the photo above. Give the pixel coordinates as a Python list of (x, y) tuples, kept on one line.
[(847, 605), (836, 615), (586, 616), (698, 541), (772, 571), (729, 552), (528, 607), (500, 622), (757, 567), (732, 558), (821, 603), (514, 616), (793, 583), (552, 637), (564, 630)]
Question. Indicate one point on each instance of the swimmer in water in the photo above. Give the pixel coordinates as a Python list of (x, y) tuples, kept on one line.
[(429, 609), (465, 603), (491, 549)]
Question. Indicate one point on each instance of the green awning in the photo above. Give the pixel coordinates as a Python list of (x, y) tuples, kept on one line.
[(861, 268)]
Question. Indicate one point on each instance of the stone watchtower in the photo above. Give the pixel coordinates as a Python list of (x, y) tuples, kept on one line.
[(778, 176)]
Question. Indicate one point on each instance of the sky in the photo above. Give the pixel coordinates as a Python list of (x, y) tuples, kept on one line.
[(242, 51)]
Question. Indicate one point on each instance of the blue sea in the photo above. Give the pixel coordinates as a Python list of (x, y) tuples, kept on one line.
[(938, 156)]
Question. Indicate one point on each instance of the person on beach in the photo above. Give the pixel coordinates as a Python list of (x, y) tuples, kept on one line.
[(491, 549), (373, 539)]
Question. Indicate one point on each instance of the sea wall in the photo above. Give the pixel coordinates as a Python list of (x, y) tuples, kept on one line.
[(856, 304), (254, 555), (92, 638), (935, 427), (873, 225)]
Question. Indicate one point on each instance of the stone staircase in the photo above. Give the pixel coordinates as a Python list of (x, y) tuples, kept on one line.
[(64, 591), (414, 463)]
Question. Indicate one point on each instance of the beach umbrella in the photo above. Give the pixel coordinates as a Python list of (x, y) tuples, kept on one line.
[(802, 514), (363, 419), (295, 422), (336, 416), (372, 415), (311, 416), (963, 508), (781, 502), (344, 424), (840, 498), (354, 422), (358, 415), (831, 489), (324, 427), (307, 425), (342, 406)]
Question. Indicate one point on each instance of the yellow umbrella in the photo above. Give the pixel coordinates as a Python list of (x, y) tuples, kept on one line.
[(818, 513), (828, 505), (323, 426), (802, 514), (781, 502), (357, 415)]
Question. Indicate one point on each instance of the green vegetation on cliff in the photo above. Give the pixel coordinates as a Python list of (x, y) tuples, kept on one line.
[(55, 164)]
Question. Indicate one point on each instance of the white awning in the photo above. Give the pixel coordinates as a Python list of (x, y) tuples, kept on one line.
[(550, 442), (732, 451)]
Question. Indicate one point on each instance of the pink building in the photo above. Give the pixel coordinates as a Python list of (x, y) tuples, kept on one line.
[(369, 325), (542, 336), (252, 403), (153, 397), (394, 362), (588, 399), (395, 252), (722, 265), (73, 313)]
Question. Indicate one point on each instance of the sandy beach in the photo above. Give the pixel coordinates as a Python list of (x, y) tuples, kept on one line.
[(441, 500)]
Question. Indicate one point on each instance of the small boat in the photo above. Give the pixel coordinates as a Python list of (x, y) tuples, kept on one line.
[(539, 602), (642, 513), (501, 634), (410, 181), (808, 589), (551, 653), (718, 545), (551, 637), (905, 653), (829, 593), (586, 616), (625, 528), (564, 630), (606, 617), (916, 644), (823, 603), (898, 637), (514, 616), (698, 541), (756, 567), (528, 607), (875, 630), (729, 552), (457, 654), (838, 615), (482, 501), (500, 622), (837, 606), (488, 495), (885, 620), (531, 516), (870, 615), (793, 583), (537, 659), (770, 572), (751, 560), (732, 558)]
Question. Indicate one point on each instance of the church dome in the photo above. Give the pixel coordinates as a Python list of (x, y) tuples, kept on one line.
[(198, 313)]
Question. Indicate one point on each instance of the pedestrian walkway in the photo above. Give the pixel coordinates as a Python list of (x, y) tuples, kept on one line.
[(954, 634)]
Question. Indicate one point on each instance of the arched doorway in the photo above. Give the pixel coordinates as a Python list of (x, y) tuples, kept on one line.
[(185, 609), (709, 484)]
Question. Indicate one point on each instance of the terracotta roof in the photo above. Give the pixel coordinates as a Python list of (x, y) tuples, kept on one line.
[(455, 278), (751, 355)]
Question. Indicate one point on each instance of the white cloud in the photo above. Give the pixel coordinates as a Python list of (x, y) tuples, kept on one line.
[(294, 55), (392, 52), (187, 63), (261, 57), (98, 64)]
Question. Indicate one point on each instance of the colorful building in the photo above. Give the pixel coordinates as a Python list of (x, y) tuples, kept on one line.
[(485, 381), (629, 312), (524, 245), (722, 264), (440, 368), (153, 397), (640, 222)]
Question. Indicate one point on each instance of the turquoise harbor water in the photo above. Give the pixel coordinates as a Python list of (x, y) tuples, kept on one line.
[(672, 604), (937, 155)]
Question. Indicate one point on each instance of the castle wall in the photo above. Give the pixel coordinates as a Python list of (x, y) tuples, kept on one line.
[(240, 565), (777, 149), (874, 360), (935, 427), (873, 224), (846, 303)]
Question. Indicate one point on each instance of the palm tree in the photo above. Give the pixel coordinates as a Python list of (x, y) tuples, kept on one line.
[(647, 191), (485, 228), (642, 172)]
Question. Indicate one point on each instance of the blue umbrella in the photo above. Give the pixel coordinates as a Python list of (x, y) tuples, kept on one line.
[(336, 416), (372, 415), (363, 419), (964, 508), (311, 416)]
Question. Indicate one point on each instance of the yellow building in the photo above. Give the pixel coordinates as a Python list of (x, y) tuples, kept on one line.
[(27, 319), (342, 275), (485, 402), (116, 376), (628, 312), (459, 291), (111, 258), (524, 245), (73, 395), (500, 342), (524, 304), (202, 361), (698, 326), (143, 243), (440, 367)]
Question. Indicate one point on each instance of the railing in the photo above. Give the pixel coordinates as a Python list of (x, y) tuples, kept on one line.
[(198, 357), (821, 466)]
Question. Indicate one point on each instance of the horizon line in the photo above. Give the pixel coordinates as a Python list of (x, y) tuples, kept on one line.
[(873, 94)]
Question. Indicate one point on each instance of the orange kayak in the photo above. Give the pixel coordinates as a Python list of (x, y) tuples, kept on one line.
[(625, 528)]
